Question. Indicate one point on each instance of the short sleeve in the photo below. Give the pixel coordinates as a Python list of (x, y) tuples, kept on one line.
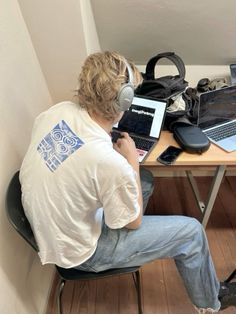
[(119, 195)]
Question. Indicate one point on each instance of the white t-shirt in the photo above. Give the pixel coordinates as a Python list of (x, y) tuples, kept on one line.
[(70, 177)]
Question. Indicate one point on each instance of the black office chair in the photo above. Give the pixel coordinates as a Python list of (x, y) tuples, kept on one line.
[(19, 221)]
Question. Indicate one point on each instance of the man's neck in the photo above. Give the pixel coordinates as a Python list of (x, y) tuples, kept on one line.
[(103, 123)]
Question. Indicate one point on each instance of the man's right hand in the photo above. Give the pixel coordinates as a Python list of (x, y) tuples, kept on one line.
[(126, 147)]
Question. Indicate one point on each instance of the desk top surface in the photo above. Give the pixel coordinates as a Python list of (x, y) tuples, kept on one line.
[(214, 156)]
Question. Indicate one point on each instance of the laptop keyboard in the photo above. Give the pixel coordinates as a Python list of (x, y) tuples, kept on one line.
[(141, 143), (222, 132)]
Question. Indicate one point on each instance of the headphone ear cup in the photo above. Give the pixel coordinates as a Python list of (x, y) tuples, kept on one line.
[(125, 96)]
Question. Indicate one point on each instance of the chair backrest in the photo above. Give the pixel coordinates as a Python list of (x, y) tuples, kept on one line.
[(15, 211)]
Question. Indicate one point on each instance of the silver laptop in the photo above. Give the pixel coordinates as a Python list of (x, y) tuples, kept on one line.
[(143, 121), (233, 73), (217, 117)]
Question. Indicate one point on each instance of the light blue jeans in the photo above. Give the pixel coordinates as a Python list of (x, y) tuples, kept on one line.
[(178, 237)]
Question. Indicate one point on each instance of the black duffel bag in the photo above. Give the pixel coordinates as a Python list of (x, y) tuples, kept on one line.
[(163, 87)]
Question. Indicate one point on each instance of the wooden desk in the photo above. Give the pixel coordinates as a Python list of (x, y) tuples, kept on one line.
[(214, 159)]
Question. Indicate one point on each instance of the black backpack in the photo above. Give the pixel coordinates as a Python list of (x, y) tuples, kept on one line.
[(163, 87), (167, 87)]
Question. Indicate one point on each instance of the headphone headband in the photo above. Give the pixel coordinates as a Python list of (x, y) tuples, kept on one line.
[(130, 72)]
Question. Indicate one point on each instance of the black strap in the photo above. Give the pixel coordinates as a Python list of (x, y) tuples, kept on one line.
[(150, 75)]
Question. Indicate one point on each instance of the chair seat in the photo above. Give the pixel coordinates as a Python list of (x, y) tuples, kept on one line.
[(72, 273)]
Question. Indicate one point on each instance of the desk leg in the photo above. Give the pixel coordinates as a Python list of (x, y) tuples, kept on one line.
[(206, 208), (193, 183)]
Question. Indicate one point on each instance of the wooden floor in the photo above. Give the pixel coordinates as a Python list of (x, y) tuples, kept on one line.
[(162, 289)]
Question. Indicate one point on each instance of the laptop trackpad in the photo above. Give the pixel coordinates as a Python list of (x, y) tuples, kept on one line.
[(229, 144)]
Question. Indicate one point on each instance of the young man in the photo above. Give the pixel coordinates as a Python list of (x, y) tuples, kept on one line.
[(83, 195)]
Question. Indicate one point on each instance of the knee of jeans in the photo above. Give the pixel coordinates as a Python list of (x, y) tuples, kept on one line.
[(194, 229), (198, 232), (196, 225)]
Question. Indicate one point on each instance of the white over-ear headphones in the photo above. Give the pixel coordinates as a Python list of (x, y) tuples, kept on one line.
[(126, 93)]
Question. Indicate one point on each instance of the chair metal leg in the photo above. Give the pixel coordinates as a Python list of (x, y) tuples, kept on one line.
[(137, 283), (59, 294)]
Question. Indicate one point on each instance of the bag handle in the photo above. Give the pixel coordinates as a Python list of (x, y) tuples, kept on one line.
[(149, 75)]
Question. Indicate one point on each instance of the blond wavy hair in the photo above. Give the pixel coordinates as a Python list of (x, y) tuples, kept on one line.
[(100, 80)]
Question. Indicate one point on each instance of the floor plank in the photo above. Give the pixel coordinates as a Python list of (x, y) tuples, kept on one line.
[(154, 288), (177, 299), (162, 288)]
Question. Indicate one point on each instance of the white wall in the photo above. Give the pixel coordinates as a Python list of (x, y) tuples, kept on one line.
[(37, 60), (23, 94), (201, 32), (63, 34), (89, 27)]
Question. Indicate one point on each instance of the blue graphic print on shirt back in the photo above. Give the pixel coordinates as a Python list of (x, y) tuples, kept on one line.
[(58, 145)]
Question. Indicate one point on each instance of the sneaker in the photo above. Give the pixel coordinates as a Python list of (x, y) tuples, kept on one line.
[(227, 294)]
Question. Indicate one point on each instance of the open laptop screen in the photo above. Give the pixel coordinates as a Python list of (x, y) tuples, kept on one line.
[(144, 117), (217, 107)]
